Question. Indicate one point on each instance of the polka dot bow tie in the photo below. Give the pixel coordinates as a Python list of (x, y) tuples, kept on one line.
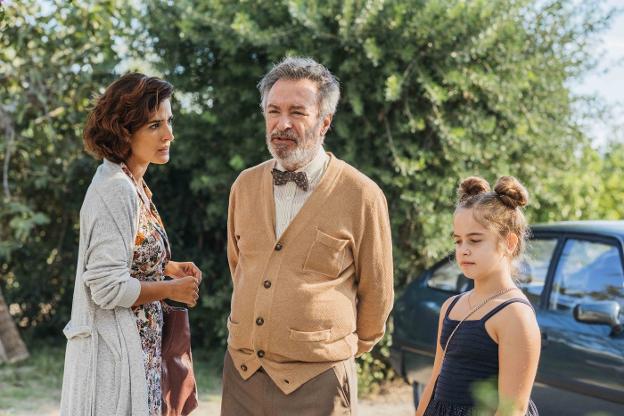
[(281, 178)]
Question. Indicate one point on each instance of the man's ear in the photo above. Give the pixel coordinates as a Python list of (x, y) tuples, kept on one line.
[(326, 124)]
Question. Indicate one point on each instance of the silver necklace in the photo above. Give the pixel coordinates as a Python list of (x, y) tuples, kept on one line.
[(476, 308)]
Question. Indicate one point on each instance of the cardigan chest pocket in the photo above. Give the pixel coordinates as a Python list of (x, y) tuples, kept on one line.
[(327, 255)]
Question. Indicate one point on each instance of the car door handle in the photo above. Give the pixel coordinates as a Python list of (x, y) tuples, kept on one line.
[(544, 339)]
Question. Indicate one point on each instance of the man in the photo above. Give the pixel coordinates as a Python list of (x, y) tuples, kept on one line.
[(310, 253)]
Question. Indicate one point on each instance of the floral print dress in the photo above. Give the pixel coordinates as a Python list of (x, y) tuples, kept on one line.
[(151, 254)]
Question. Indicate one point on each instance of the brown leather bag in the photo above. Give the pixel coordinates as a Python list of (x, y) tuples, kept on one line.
[(178, 386)]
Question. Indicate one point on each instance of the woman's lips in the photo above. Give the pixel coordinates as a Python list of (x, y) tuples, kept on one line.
[(466, 263)]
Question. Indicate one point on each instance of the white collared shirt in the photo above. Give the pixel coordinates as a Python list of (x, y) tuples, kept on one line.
[(290, 198)]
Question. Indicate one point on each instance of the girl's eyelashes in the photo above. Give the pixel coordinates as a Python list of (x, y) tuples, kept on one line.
[(470, 241)]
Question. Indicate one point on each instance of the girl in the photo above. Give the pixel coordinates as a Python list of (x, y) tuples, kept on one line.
[(488, 338)]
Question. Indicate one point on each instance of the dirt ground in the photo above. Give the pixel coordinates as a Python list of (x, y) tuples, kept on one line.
[(394, 400)]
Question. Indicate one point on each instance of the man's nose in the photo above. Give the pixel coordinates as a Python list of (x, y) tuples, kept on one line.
[(284, 123)]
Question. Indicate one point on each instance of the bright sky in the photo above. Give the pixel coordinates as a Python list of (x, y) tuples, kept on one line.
[(607, 80)]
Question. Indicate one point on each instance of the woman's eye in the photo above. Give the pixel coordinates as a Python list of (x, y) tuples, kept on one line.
[(155, 126), (475, 241), (298, 113), (457, 242)]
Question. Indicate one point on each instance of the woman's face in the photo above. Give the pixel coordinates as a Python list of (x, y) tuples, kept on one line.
[(477, 249), (151, 142)]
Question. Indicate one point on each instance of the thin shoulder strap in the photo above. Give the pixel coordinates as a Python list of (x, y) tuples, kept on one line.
[(453, 302), (503, 305)]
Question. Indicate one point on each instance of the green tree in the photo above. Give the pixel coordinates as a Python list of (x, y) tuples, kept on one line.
[(54, 56), (432, 90), (610, 197)]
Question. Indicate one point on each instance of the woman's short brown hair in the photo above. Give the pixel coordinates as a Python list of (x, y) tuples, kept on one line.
[(125, 106)]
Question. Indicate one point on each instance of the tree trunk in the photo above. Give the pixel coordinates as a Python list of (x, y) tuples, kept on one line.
[(12, 348)]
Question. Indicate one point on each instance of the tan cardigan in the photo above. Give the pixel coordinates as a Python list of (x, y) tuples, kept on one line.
[(323, 292)]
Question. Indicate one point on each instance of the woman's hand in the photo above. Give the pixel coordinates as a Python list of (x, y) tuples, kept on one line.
[(184, 289), (178, 269)]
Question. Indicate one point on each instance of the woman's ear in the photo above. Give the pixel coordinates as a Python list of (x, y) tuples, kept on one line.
[(512, 241)]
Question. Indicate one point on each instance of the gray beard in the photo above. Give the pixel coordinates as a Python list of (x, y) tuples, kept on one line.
[(297, 158)]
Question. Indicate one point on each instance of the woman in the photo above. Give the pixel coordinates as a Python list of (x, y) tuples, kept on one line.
[(113, 360), (488, 338)]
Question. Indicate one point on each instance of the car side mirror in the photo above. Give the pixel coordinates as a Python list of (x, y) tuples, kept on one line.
[(605, 313)]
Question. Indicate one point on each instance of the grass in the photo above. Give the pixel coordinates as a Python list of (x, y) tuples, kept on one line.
[(208, 366), (34, 385)]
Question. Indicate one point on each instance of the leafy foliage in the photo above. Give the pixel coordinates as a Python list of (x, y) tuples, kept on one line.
[(432, 91), (53, 57)]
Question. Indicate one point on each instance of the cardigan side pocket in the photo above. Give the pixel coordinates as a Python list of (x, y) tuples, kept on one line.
[(310, 336), (76, 331)]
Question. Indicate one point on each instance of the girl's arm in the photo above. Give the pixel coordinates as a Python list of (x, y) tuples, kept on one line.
[(519, 345), (428, 392)]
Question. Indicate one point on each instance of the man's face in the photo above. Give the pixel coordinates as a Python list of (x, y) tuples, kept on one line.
[(294, 130)]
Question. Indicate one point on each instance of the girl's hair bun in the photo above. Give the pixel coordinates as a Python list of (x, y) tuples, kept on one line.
[(472, 186), (511, 192)]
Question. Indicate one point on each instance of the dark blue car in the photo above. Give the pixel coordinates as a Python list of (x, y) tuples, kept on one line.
[(573, 275)]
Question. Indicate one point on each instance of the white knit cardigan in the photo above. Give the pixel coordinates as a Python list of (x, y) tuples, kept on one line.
[(104, 373)]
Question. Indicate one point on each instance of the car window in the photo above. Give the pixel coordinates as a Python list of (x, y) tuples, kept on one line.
[(449, 277), (533, 268), (587, 272)]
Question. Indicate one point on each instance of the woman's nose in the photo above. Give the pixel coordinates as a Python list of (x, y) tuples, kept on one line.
[(169, 134)]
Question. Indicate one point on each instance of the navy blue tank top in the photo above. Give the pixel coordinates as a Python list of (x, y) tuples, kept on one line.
[(471, 356)]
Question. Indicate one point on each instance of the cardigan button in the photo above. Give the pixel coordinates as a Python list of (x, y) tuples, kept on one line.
[(259, 321), (278, 246), (260, 353), (243, 367), (267, 284)]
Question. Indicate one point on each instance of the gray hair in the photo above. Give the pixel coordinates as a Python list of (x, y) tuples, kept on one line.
[(295, 68)]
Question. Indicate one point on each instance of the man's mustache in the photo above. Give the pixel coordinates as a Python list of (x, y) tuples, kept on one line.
[(285, 134)]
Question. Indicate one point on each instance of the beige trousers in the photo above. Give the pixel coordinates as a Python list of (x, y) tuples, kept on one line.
[(331, 393)]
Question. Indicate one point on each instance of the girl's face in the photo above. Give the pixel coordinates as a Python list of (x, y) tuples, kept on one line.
[(477, 249)]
